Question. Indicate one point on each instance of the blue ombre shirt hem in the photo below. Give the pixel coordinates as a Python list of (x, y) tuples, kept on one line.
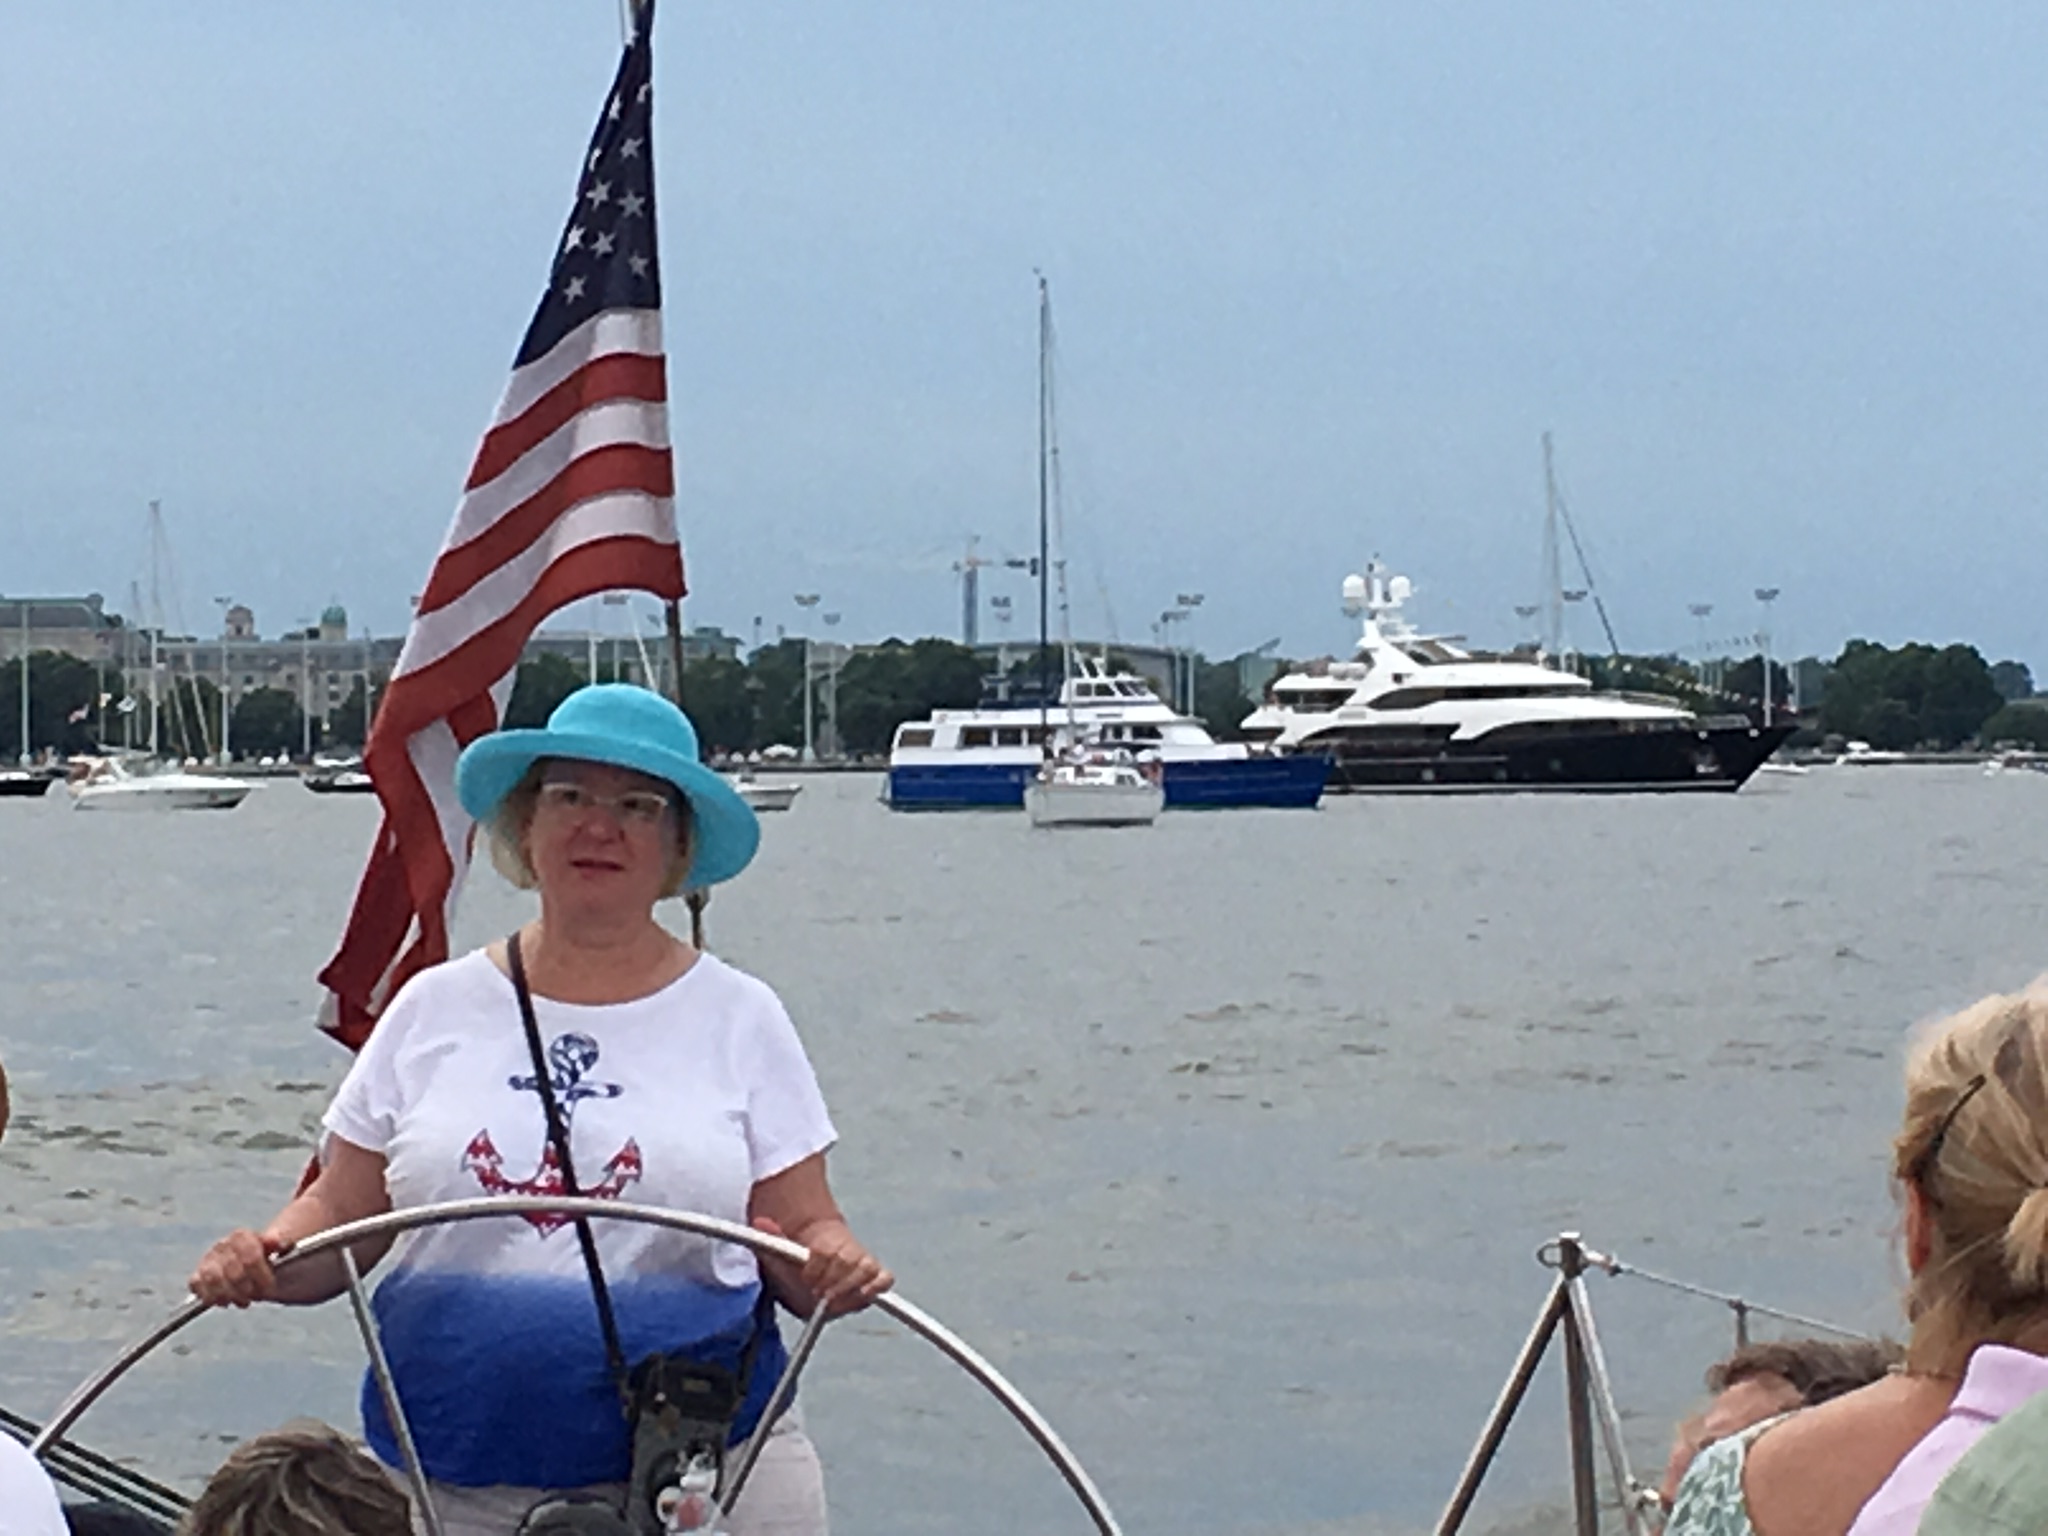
[(504, 1379)]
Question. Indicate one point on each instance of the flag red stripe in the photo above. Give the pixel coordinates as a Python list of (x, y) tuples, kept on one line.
[(620, 467), (377, 926), (618, 376), (603, 565), (410, 870)]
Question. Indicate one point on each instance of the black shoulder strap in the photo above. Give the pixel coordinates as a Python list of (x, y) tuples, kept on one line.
[(558, 1136)]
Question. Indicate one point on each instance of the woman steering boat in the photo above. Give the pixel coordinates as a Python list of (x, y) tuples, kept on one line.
[(668, 1078)]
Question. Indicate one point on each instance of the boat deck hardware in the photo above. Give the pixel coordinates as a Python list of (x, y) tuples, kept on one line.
[(50, 1445)]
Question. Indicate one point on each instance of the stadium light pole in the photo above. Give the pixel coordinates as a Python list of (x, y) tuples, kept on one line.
[(1766, 596), (831, 688), (225, 604), (1572, 596), (1189, 601), (1701, 612), (306, 689), (807, 601)]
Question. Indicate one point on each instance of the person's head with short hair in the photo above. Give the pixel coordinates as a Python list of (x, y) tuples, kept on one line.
[(304, 1479), (1762, 1380), (1971, 1160), (1815, 1369)]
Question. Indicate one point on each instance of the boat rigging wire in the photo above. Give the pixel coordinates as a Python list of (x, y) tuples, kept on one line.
[(1741, 1306)]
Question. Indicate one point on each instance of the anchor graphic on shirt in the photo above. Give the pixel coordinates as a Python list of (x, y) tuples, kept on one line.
[(570, 1059)]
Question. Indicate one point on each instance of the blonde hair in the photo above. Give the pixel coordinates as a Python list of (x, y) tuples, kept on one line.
[(508, 825), (1975, 1145), (305, 1479)]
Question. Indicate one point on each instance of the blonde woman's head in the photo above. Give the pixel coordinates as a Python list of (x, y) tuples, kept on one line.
[(1972, 1161)]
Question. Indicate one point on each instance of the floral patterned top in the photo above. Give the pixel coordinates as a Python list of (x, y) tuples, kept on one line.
[(1710, 1501)]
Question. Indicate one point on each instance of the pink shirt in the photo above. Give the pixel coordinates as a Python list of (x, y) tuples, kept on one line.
[(1998, 1380)]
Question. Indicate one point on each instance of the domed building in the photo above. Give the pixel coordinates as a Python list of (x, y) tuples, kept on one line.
[(334, 622)]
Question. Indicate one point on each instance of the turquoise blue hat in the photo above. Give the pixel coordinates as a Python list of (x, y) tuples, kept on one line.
[(627, 727)]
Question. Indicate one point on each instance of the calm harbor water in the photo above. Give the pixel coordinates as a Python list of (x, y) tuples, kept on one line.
[(1230, 1140)]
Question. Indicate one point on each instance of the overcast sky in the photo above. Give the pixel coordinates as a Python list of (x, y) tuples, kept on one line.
[(1323, 274)]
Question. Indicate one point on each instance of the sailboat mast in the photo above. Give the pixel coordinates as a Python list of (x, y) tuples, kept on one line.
[(156, 618), (24, 680), (1044, 538), (1553, 564)]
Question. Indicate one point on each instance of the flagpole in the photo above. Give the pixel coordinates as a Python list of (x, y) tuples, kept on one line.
[(672, 616)]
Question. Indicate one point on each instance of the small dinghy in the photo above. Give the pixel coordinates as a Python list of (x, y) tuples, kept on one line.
[(764, 797)]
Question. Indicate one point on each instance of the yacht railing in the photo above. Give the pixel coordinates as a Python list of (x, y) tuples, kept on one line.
[(1567, 1313)]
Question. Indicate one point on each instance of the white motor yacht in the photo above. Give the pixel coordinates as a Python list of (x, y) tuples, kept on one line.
[(110, 785), (1414, 712)]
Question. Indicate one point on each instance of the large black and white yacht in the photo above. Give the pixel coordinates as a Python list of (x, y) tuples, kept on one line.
[(1414, 712)]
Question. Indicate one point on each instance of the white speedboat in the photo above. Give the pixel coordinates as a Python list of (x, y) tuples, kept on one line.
[(766, 797), (1415, 712), (1095, 789), (109, 785), (1861, 754)]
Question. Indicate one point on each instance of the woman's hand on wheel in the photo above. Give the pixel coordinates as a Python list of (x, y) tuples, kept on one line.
[(840, 1272), (236, 1270)]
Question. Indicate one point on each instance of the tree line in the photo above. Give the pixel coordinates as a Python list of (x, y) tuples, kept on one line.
[(1901, 697), (1893, 697)]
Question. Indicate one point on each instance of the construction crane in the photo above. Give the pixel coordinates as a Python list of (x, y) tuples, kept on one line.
[(969, 568)]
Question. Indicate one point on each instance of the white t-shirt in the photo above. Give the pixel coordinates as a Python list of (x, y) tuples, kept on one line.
[(685, 1099), (28, 1499)]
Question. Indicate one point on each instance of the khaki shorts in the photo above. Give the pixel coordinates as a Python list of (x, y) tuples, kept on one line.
[(785, 1496)]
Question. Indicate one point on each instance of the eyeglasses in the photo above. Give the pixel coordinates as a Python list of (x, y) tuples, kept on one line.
[(634, 808), (1923, 1164)]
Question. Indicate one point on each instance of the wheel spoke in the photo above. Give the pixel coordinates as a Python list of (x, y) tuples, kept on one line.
[(778, 1400), (387, 1388)]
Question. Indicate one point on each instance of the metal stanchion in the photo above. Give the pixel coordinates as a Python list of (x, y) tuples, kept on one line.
[(1504, 1408)]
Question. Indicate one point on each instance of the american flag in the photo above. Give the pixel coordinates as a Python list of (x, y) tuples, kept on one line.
[(571, 494)]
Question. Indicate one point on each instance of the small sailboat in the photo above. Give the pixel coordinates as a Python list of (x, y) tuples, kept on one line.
[(1091, 787), (1084, 784)]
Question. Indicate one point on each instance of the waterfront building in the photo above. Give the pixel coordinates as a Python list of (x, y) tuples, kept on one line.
[(319, 665)]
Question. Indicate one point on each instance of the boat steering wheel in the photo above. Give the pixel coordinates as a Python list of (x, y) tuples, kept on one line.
[(338, 1243)]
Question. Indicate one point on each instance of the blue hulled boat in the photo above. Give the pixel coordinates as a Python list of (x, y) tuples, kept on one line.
[(981, 758)]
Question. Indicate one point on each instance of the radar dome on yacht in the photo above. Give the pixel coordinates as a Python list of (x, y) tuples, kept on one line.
[(1400, 589), (1354, 594)]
